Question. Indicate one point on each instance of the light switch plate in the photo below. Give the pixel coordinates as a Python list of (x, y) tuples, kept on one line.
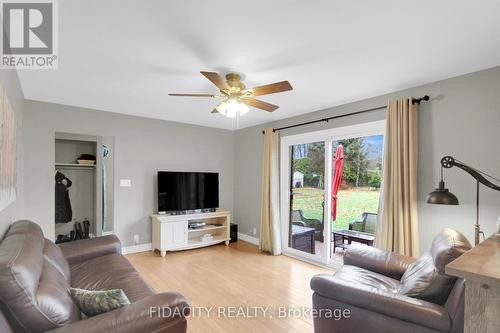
[(125, 183)]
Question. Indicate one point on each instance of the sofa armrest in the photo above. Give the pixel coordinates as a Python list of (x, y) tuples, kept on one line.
[(379, 261), (86, 249), (156, 313), (390, 304)]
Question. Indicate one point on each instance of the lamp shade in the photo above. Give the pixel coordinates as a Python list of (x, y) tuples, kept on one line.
[(442, 196)]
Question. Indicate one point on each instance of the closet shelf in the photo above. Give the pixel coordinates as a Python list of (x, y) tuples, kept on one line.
[(74, 165)]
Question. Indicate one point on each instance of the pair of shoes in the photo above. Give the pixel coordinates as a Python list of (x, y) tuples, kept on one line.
[(78, 231), (62, 239), (76, 234), (86, 229), (82, 233)]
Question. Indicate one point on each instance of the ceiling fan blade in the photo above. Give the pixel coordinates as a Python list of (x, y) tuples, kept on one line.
[(215, 109), (215, 79), (271, 88), (260, 104), (195, 95)]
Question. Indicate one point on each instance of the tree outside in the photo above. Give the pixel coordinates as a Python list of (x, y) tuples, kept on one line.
[(362, 161), (361, 179)]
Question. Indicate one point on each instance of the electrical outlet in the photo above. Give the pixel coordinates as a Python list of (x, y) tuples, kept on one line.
[(136, 239), (254, 231)]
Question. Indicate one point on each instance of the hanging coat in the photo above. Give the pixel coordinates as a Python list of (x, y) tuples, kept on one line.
[(64, 213)]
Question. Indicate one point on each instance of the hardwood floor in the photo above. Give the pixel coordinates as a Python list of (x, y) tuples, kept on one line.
[(237, 276)]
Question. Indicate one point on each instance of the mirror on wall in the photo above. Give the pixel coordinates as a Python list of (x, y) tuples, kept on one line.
[(108, 184)]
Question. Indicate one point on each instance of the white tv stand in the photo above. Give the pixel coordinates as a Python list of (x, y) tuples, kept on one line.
[(171, 232)]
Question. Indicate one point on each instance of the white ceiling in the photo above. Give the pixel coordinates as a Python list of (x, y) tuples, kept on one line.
[(125, 56)]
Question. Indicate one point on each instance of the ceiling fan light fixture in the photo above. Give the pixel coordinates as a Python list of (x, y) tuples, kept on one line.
[(222, 108), (236, 98), (231, 113), (232, 107), (243, 109)]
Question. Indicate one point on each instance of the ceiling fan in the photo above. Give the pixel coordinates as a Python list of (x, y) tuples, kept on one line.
[(235, 97)]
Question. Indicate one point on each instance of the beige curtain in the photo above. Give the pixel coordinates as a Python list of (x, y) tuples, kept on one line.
[(270, 236), (397, 228)]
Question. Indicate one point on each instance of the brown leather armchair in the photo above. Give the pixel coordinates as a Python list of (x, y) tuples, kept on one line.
[(36, 274), (386, 292)]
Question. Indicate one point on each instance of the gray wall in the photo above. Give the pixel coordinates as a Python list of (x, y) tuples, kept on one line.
[(10, 82), (461, 120), (142, 147)]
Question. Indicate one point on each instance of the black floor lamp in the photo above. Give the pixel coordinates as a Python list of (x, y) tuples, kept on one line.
[(443, 196)]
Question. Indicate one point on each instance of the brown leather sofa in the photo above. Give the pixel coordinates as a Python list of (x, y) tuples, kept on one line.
[(35, 276), (386, 292)]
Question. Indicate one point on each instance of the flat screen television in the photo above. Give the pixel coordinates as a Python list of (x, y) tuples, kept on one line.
[(182, 191)]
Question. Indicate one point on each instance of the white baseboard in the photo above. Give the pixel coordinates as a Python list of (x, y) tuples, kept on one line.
[(136, 248), (249, 239), (148, 246)]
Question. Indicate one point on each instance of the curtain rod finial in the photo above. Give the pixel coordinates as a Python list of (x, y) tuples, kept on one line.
[(424, 98), (274, 130)]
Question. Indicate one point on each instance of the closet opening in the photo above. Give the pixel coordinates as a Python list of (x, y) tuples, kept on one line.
[(83, 186)]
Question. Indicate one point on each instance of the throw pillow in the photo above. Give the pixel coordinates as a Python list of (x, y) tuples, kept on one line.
[(94, 302), (422, 280)]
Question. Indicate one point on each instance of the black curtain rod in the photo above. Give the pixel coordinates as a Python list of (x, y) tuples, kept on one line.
[(414, 101)]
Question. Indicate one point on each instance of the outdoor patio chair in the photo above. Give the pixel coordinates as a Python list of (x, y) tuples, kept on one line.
[(366, 224), (298, 218)]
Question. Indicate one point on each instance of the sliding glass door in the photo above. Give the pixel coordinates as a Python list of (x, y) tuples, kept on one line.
[(330, 185), (307, 198), (357, 177)]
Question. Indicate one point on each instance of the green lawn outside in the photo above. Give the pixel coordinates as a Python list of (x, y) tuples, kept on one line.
[(351, 203)]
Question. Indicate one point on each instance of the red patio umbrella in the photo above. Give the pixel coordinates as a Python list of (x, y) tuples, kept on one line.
[(338, 166)]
